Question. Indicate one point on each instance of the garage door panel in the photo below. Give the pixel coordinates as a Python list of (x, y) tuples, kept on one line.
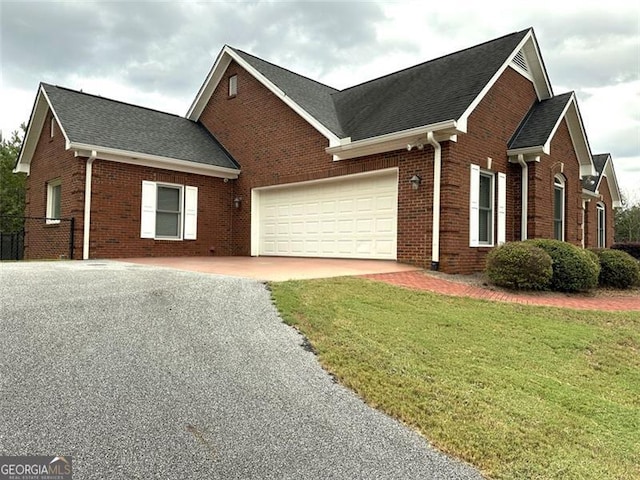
[(350, 217)]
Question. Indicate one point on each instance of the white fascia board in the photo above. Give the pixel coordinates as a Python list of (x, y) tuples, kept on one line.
[(217, 74), (211, 82), (547, 144), (526, 151), (612, 181), (154, 161), (67, 142), (579, 138), (36, 122), (540, 79), (588, 194), (391, 141)]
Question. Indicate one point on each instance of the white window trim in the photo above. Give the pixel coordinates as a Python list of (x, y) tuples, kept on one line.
[(180, 188), (50, 218), (559, 182), (601, 235), (233, 85), (188, 211), (474, 207)]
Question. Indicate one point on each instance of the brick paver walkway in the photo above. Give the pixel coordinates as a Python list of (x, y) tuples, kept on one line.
[(420, 280)]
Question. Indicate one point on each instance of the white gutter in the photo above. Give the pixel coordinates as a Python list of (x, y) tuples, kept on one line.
[(437, 168), (525, 197), (87, 205)]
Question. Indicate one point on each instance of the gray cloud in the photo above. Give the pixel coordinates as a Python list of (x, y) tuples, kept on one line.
[(169, 47)]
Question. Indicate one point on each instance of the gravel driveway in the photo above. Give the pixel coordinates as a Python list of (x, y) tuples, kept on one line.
[(144, 372)]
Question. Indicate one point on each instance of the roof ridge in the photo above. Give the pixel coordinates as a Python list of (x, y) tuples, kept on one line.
[(79, 92), (283, 68), (435, 59)]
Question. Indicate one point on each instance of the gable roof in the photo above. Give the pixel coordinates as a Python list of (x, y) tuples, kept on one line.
[(426, 94), (314, 97), (380, 115), (115, 129), (603, 164), (540, 122), (534, 134)]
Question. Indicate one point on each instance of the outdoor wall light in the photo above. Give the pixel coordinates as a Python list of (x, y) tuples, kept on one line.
[(237, 201), (415, 181)]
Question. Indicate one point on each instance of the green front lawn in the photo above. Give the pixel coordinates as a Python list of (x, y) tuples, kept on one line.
[(518, 391)]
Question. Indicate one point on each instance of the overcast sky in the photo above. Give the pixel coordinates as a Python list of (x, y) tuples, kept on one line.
[(157, 54)]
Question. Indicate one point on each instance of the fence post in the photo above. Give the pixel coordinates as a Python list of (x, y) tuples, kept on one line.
[(71, 237)]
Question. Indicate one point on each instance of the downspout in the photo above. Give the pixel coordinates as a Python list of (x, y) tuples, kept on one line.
[(437, 168), (87, 205), (525, 197)]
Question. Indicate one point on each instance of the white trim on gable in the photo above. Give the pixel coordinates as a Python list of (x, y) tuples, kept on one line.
[(154, 161), (529, 47), (571, 114), (36, 123), (612, 182), (218, 72)]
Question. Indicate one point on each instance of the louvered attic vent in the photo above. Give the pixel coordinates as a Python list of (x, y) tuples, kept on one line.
[(520, 61)]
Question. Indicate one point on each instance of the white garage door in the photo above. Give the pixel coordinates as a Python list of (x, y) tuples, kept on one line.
[(351, 217)]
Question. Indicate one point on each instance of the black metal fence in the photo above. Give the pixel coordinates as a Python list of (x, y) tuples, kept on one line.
[(36, 238)]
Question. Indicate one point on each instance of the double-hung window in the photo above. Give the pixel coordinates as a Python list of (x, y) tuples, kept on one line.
[(558, 207), (169, 211), (54, 200), (485, 211), (601, 227)]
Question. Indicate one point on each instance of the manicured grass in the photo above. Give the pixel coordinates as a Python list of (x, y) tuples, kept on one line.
[(518, 391)]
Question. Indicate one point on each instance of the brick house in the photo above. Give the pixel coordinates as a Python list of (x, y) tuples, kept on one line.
[(432, 165)]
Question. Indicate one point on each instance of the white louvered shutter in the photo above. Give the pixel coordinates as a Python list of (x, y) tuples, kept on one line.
[(148, 213), (474, 210), (190, 213), (502, 208)]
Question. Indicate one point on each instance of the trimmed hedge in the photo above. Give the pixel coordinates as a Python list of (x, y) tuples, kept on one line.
[(632, 248), (618, 269), (574, 269), (519, 265)]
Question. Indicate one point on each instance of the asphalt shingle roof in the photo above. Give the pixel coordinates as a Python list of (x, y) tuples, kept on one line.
[(538, 124), (314, 97), (102, 122), (599, 161), (432, 92)]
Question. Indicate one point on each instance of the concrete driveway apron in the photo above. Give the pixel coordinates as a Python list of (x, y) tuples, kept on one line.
[(144, 372)]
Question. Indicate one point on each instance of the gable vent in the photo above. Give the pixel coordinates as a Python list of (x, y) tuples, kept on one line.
[(521, 61)]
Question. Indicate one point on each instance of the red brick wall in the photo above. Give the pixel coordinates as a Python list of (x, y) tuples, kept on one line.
[(50, 162), (490, 127), (116, 209), (562, 160), (274, 145), (591, 218)]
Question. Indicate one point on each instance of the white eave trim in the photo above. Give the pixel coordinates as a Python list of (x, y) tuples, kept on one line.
[(578, 136), (154, 161), (34, 129), (217, 73), (393, 141), (612, 182), (540, 79)]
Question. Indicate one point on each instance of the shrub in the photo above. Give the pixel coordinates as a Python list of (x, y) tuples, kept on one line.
[(574, 269), (632, 248), (519, 265), (618, 269)]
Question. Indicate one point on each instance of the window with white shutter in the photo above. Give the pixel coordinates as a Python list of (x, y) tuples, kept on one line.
[(168, 211)]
